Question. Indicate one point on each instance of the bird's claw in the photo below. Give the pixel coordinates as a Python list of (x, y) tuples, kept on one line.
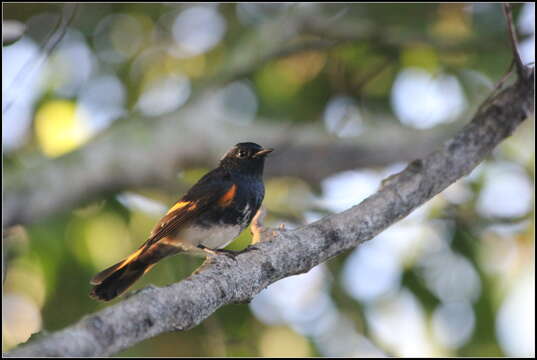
[(229, 253), (251, 247)]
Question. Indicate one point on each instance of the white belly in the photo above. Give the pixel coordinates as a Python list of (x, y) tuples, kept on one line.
[(213, 238)]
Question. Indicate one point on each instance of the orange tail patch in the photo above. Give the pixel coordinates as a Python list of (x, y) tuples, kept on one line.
[(100, 277)]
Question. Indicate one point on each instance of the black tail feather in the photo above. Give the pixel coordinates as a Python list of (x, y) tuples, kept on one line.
[(117, 282)]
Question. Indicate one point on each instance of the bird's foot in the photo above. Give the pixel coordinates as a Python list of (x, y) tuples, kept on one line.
[(229, 253)]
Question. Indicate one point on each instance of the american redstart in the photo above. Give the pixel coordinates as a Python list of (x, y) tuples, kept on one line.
[(207, 218)]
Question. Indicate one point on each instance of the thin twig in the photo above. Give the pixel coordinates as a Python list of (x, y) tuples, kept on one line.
[(257, 226), (513, 40), (50, 43)]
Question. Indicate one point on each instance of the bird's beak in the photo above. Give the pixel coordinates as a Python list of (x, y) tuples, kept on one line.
[(263, 152)]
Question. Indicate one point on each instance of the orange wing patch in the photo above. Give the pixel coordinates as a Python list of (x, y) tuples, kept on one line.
[(181, 204), (228, 196)]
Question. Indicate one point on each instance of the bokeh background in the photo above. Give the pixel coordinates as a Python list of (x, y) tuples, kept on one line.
[(455, 278)]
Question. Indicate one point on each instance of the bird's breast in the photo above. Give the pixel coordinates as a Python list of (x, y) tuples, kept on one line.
[(219, 225)]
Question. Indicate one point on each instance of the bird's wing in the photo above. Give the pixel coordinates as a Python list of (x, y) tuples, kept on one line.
[(203, 195)]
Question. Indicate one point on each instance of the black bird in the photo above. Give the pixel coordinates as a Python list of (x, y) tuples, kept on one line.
[(211, 214)]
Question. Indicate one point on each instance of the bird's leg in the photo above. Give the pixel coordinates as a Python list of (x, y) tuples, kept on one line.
[(229, 253), (215, 252)]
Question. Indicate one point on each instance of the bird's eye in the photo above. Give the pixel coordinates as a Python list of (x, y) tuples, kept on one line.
[(242, 154)]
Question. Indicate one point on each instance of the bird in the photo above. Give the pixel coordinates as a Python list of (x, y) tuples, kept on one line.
[(206, 219)]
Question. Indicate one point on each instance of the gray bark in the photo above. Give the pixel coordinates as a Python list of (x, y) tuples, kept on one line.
[(283, 253)]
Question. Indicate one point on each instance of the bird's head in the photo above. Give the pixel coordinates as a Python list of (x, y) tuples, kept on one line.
[(246, 157)]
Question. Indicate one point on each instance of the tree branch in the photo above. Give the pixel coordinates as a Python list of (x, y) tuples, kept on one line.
[(283, 253)]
